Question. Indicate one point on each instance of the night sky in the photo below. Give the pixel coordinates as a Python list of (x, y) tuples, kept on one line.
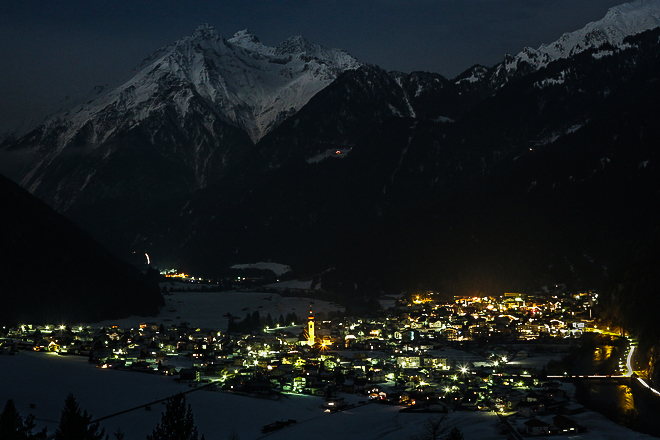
[(53, 49)]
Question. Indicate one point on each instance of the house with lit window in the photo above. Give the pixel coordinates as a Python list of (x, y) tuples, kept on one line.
[(409, 361), (567, 425), (537, 427)]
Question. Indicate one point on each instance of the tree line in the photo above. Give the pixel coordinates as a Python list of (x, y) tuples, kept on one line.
[(177, 423)]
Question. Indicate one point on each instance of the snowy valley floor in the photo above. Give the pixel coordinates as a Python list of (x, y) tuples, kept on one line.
[(209, 309), (44, 380)]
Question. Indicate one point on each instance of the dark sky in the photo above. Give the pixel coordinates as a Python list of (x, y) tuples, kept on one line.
[(51, 49)]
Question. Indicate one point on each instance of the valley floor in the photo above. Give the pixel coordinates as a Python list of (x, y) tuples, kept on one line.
[(44, 380), (209, 309)]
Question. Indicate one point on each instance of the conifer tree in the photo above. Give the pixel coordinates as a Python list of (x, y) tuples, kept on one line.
[(256, 320), (455, 434), (75, 425), (11, 423), (177, 422), (12, 426), (119, 434)]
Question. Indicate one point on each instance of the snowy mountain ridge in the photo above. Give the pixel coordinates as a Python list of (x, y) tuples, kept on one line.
[(619, 22), (195, 105), (252, 85)]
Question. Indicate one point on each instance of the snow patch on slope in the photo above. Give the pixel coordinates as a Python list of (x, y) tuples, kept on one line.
[(276, 268)]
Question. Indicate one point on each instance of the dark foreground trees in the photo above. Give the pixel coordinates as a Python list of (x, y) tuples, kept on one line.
[(76, 425), (177, 422), (436, 428), (13, 427)]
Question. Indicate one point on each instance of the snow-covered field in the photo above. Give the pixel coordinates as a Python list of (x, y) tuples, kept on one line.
[(45, 379), (277, 268), (599, 428), (206, 309)]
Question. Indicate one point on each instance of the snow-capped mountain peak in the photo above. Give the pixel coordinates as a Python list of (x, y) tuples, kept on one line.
[(205, 31), (249, 84), (297, 44), (619, 22), (245, 38), (193, 103)]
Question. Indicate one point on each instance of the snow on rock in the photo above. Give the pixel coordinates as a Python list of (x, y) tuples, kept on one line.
[(559, 78), (603, 53), (473, 75)]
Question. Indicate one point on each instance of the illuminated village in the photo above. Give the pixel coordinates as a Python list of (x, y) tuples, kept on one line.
[(472, 353)]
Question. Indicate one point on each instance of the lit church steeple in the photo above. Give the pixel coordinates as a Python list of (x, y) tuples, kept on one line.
[(310, 327)]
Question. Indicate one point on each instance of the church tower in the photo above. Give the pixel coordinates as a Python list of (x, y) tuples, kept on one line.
[(310, 327)]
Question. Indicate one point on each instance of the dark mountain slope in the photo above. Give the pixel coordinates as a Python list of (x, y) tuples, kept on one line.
[(546, 181), (52, 271), (339, 117), (570, 209)]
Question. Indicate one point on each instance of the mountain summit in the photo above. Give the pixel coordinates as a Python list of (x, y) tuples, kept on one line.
[(252, 85), (192, 108), (620, 22)]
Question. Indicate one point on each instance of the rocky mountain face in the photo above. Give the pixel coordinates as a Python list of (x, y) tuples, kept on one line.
[(541, 169)]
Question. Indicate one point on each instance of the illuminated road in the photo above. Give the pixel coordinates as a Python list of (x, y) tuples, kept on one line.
[(647, 386), (628, 373), (629, 362)]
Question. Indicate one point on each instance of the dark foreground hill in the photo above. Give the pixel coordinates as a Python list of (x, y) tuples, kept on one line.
[(51, 271)]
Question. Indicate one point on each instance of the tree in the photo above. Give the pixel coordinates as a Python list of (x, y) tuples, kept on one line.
[(256, 320), (232, 327), (455, 434), (246, 323), (119, 434), (177, 422), (75, 425), (434, 429), (12, 426)]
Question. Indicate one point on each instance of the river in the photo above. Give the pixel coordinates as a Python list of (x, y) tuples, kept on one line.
[(625, 401)]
